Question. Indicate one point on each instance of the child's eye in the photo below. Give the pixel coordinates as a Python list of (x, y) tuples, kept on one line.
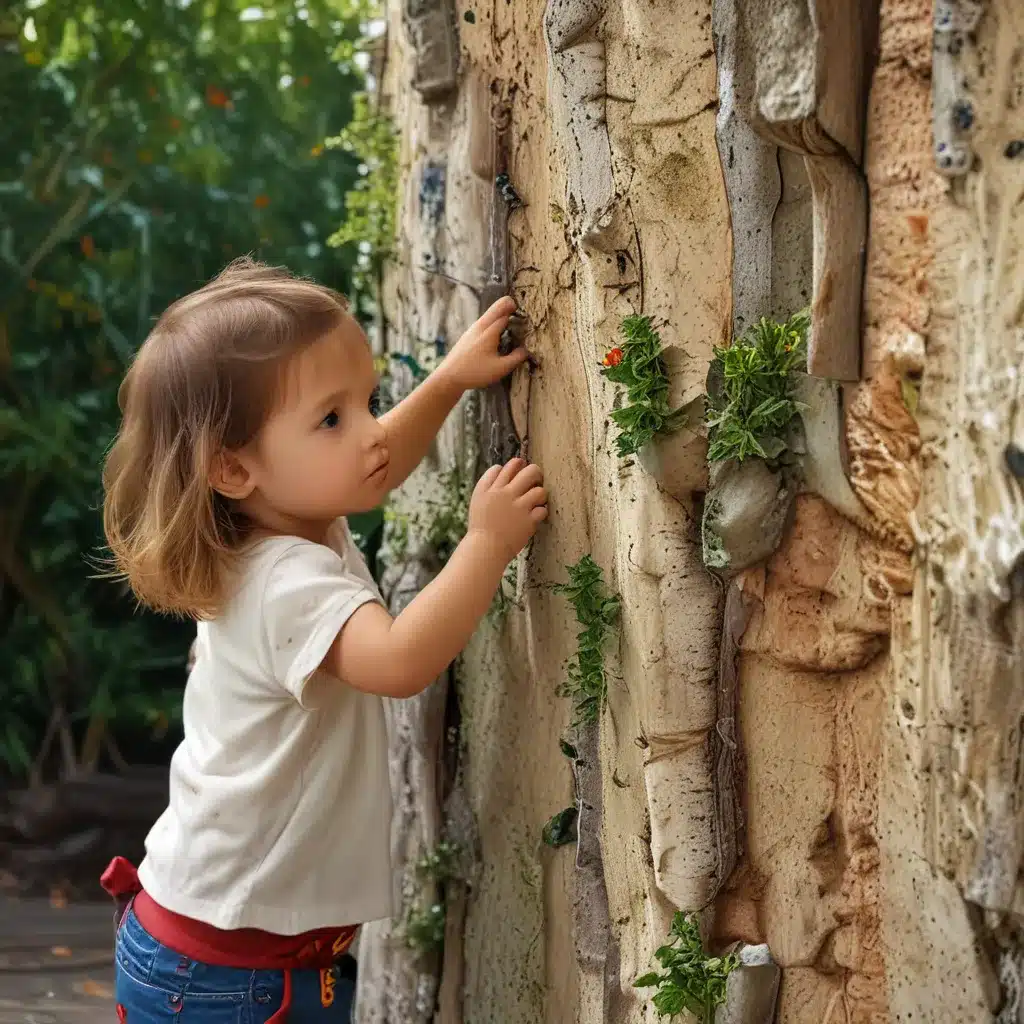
[(331, 420), (375, 402)]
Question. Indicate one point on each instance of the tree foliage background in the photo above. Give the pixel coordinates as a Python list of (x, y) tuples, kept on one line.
[(143, 144)]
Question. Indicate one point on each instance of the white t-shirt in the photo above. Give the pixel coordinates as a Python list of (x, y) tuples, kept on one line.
[(280, 806)]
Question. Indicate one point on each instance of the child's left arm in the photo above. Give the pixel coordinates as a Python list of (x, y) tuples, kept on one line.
[(473, 362)]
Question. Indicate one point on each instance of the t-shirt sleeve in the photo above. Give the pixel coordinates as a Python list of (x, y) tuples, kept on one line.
[(307, 599)]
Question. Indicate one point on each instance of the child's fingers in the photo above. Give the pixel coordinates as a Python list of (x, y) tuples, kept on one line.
[(539, 514), (509, 470), (504, 307), (535, 497), (488, 478), (527, 477), (515, 358)]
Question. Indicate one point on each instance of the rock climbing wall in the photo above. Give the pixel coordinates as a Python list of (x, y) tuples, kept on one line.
[(817, 745)]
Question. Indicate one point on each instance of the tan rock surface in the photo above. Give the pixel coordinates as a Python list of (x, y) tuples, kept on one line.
[(873, 725)]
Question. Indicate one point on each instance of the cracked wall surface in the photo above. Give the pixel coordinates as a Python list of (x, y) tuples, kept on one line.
[(820, 752)]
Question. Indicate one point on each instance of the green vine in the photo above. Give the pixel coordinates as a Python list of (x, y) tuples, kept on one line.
[(596, 611), (369, 222), (750, 404), (505, 597), (691, 980), (639, 365)]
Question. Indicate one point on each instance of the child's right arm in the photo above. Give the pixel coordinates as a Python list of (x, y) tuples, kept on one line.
[(403, 656)]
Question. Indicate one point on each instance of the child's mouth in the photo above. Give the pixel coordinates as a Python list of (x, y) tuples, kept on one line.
[(380, 472)]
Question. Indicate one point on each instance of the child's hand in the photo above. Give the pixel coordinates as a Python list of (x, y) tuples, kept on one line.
[(473, 361), (507, 505)]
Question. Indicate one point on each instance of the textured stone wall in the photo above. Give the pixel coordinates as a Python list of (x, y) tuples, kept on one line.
[(819, 752)]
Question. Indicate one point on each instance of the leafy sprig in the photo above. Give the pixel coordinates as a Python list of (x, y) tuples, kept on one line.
[(638, 364), (596, 611), (690, 980), (750, 403)]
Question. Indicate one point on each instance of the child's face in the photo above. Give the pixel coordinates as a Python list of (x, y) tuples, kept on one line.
[(321, 454)]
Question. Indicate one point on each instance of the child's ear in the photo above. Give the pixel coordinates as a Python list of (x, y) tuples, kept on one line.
[(229, 476)]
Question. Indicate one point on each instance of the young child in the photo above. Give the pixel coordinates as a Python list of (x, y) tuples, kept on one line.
[(247, 437)]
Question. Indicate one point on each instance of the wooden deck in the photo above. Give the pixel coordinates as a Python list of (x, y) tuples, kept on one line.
[(55, 962)]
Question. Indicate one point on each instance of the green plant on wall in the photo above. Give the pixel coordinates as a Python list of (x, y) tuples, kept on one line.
[(638, 364), (445, 519), (424, 928), (596, 611), (438, 524), (690, 980), (424, 924), (369, 225), (505, 596), (750, 401)]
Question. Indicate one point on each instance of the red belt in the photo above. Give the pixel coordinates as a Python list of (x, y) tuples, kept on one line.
[(247, 948)]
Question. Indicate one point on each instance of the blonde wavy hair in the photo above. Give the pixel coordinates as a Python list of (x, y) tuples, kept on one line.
[(204, 381)]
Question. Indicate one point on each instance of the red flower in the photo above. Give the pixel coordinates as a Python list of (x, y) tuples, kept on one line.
[(261, 202), (216, 97), (304, 81), (175, 124), (613, 358), (88, 247)]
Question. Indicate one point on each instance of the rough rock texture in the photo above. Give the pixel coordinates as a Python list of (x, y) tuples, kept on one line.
[(822, 752), (947, 267)]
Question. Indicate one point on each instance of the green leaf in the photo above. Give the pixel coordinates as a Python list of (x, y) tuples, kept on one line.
[(561, 828), (669, 1002), (647, 980)]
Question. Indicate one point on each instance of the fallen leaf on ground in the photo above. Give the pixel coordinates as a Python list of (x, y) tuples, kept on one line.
[(96, 989), (60, 951)]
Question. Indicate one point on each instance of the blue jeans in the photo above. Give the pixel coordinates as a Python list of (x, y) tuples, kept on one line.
[(155, 985)]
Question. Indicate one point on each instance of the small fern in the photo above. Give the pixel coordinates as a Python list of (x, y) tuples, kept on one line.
[(638, 364), (596, 611), (691, 980)]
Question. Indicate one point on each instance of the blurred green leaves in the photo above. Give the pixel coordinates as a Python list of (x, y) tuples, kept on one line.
[(143, 144)]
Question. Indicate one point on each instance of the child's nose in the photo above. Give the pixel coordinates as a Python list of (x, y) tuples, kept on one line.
[(378, 437)]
